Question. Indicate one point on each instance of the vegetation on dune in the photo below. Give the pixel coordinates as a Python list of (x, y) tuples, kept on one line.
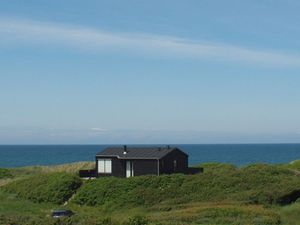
[(216, 167), (218, 213), (29, 220), (5, 173), (52, 187), (269, 184), (143, 190), (257, 184), (294, 165), (290, 214), (188, 214), (223, 195), (72, 168)]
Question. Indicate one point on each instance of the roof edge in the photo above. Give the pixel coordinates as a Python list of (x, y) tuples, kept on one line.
[(116, 156), (175, 149)]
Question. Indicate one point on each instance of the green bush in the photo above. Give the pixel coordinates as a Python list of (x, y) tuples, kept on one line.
[(5, 173), (143, 190), (137, 220), (34, 220), (53, 187), (294, 165), (238, 216), (217, 167), (258, 184)]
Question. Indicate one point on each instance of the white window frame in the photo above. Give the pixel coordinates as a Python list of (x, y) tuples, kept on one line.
[(129, 169), (104, 166)]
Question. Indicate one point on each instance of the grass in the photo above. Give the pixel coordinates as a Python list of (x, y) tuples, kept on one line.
[(222, 195), (5, 176), (5, 173), (255, 184), (290, 214), (295, 165), (190, 213), (217, 213), (204, 213), (53, 187), (66, 168), (10, 204), (19, 210), (14, 210), (28, 171)]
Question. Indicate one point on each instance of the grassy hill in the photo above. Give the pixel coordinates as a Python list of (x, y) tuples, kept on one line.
[(5, 173), (222, 195), (255, 184), (52, 188)]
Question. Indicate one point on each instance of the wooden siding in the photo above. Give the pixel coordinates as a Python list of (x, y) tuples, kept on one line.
[(148, 166), (167, 163), (118, 167), (145, 166)]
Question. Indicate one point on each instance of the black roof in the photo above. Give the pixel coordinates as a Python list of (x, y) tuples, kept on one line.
[(138, 152)]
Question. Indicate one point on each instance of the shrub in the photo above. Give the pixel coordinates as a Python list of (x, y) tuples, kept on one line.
[(258, 184), (219, 214), (143, 190), (5, 173), (53, 187), (137, 220)]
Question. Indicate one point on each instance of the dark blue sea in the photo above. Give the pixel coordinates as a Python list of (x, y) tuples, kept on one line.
[(238, 154)]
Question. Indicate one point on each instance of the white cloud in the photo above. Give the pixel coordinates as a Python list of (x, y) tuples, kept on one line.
[(155, 45)]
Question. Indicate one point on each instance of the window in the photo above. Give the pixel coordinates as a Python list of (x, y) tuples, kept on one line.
[(104, 165), (129, 169)]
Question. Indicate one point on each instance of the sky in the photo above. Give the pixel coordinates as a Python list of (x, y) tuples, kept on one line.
[(149, 72)]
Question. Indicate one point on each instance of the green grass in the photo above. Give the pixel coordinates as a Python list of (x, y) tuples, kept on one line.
[(5, 173), (290, 214), (10, 204), (53, 187), (14, 210), (24, 212), (28, 171), (5, 176), (256, 184), (218, 213), (72, 168), (222, 195), (294, 165)]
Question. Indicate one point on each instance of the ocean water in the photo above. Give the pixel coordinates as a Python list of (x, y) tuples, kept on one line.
[(238, 154)]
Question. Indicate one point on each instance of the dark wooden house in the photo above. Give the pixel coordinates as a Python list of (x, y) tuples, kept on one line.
[(135, 161)]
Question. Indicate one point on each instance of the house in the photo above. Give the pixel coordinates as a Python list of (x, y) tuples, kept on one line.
[(135, 161)]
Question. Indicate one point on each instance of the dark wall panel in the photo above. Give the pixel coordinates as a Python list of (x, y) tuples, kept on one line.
[(144, 167), (149, 166), (167, 163)]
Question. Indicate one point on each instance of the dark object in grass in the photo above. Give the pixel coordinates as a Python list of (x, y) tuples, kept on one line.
[(194, 170), (88, 173), (62, 213), (289, 198)]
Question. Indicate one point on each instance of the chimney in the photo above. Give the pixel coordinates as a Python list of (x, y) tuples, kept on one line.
[(125, 150)]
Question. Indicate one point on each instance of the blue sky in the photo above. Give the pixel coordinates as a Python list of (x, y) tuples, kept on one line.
[(114, 72)]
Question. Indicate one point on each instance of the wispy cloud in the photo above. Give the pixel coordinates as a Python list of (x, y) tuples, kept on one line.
[(154, 45), (97, 129)]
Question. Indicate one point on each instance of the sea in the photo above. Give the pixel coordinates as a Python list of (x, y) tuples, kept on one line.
[(237, 154)]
